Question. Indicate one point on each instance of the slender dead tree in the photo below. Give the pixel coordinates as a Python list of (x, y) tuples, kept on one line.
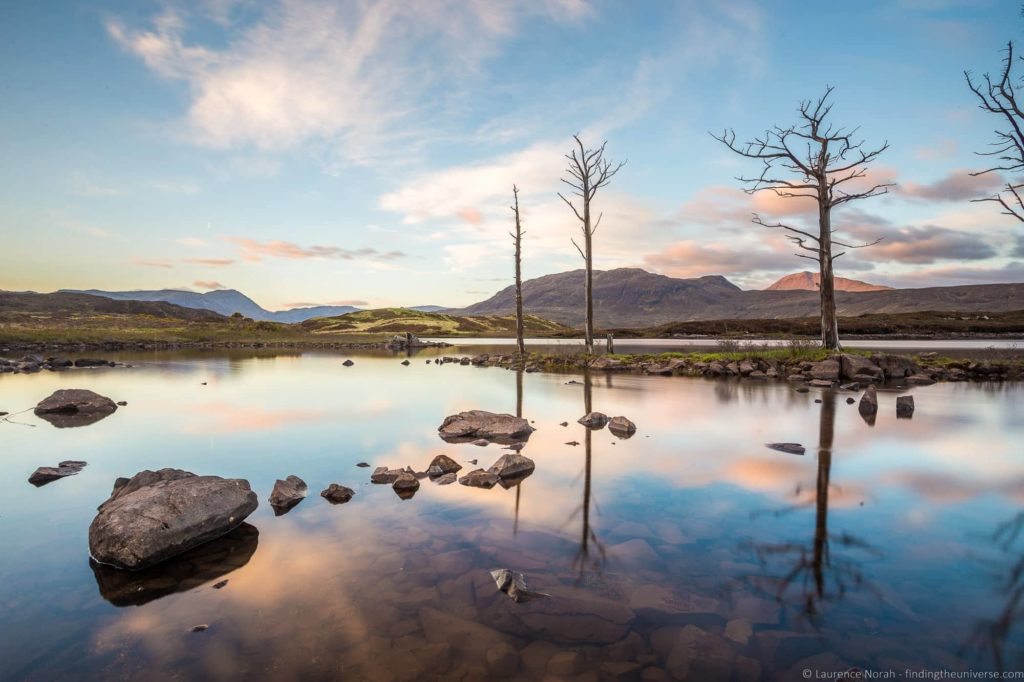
[(588, 172), (998, 96), (517, 239), (812, 160)]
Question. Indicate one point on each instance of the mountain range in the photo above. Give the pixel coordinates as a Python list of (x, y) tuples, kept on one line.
[(229, 301), (631, 297)]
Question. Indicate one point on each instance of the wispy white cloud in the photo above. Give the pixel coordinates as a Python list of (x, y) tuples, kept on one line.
[(352, 75)]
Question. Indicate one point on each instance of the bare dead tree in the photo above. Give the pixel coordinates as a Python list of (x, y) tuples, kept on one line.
[(517, 239), (998, 96), (588, 172), (812, 160)]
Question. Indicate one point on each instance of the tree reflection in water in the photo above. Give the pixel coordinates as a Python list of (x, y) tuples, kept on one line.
[(818, 575), (992, 635), (584, 559)]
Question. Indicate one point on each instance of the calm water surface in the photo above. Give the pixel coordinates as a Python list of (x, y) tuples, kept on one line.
[(890, 546)]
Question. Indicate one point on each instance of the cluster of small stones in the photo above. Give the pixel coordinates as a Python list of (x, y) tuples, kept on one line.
[(36, 363), (852, 371)]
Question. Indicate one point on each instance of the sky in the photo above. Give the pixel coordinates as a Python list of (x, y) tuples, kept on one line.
[(354, 152)]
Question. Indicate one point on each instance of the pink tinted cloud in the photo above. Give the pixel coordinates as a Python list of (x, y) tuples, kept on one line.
[(254, 251), (958, 185), (690, 258), (471, 216), (153, 262), (208, 284), (212, 262)]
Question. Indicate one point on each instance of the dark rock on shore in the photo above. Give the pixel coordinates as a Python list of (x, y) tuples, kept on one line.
[(593, 420), (337, 494), (287, 493), (187, 571), (93, 362), (479, 424), (621, 427), (44, 475), (905, 406), (73, 407), (157, 515)]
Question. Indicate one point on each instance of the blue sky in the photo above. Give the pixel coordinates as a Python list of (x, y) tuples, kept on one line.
[(319, 152)]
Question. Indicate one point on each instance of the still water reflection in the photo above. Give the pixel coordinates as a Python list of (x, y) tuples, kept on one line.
[(690, 547)]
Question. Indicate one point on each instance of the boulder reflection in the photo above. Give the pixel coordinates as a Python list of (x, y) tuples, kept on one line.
[(196, 567)]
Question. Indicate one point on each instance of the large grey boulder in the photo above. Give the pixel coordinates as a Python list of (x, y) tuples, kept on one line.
[(468, 426), (70, 407), (194, 568), (157, 515)]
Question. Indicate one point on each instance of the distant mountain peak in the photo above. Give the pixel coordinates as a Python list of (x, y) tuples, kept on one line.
[(808, 281)]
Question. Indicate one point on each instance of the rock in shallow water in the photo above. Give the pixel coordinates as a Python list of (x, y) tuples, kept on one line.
[(621, 427), (479, 424), (478, 478), (789, 448), (287, 494), (444, 464), (75, 407), (905, 406), (594, 420), (337, 494), (869, 402), (157, 515), (44, 475)]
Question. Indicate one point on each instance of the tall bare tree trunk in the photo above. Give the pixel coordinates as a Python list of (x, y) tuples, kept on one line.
[(826, 279), (518, 238), (588, 286)]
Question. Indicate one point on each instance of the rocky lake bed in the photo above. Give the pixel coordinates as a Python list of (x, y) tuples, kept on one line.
[(646, 517)]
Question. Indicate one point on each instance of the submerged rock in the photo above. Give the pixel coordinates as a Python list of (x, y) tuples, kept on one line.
[(479, 424), (158, 515), (362, 465), (75, 407), (788, 448), (905, 406), (621, 427), (44, 475), (594, 420), (287, 494), (513, 584), (189, 570), (348, 363), (337, 494), (478, 478), (444, 464)]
